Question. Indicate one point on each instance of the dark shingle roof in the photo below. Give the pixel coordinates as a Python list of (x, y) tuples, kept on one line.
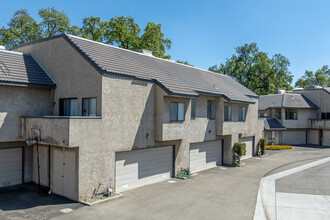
[(176, 79), (273, 124), (22, 69), (286, 101)]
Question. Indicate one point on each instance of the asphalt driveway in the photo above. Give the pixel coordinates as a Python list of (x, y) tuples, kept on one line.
[(25, 202), (218, 193)]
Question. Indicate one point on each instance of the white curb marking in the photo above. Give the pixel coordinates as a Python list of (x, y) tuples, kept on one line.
[(266, 200)]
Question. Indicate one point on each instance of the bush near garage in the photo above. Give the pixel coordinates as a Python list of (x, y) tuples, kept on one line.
[(239, 150), (278, 147), (263, 145)]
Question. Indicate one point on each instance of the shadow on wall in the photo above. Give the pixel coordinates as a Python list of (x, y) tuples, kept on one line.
[(145, 134)]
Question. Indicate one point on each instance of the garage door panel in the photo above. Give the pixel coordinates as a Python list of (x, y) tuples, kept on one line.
[(142, 167), (249, 147), (205, 155), (10, 166), (293, 137)]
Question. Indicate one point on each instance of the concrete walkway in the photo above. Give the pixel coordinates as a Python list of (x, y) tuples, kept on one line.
[(218, 193)]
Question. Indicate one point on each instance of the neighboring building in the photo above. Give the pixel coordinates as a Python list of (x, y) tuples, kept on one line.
[(319, 132), (297, 117), (127, 118)]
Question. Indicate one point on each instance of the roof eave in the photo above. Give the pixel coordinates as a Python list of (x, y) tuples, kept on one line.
[(33, 85)]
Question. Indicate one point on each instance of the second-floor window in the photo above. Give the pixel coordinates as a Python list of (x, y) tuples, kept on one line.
[(290, 115), (262, 115), (227, 113), (211, 109), (68, 107), (242, 113), (89, 107), (193, 109), (177, 111)]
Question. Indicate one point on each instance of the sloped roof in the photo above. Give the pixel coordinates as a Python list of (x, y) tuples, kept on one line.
[(22, 69), (327, 89), (272, 124), (175, 78), (286, 100)]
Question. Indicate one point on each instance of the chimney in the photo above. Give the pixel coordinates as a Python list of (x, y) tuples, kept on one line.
[(279, 91), (144, 51), (2, 47)]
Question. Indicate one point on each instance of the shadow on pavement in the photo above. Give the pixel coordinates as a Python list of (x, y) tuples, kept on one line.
[(26, 196)]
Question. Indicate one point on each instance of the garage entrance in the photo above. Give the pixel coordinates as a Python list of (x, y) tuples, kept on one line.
[(249, 146), (205, 155), (141, 167), (293, 137), (11, 166)]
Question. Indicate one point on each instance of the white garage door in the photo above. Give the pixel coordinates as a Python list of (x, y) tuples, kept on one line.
[(249, 147), (10, 166), (142, 167), (205, 155), (293, 137)]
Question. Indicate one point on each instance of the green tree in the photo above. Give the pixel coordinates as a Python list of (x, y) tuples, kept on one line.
[(22, 28), (123, 31), (184, 62), (54, 22), (255, 70), (93, 28), (153, 39), (320, 78)]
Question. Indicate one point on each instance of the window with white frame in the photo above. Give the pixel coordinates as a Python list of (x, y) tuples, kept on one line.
[(242, 113), (89, 107), (227, 113), (177, 111), (211, 109), (193, 109), (68, 107)]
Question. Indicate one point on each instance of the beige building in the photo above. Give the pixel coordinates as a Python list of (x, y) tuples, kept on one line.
[(127, 119), (297, 117)]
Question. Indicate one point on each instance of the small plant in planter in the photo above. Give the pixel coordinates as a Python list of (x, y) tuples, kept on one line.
[(239, 151), (263, 145)]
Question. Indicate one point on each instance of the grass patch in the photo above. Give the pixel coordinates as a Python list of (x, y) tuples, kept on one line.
[(278, 147)]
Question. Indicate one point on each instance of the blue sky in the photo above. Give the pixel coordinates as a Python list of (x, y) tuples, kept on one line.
[(205, 33)]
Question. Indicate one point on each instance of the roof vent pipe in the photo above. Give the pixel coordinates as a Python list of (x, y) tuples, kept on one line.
[(2, 47)]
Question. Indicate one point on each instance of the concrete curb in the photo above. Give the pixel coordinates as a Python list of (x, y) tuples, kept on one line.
[(102, 200), (266, 200)]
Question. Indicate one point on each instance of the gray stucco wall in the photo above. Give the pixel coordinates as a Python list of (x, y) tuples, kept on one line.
[(17, 101)]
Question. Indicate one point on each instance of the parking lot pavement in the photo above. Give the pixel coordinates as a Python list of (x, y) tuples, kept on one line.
[(305, 194), (217, 193), (24, 202)]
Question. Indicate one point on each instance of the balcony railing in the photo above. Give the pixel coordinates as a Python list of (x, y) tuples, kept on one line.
[(64, 131), (319, 124)]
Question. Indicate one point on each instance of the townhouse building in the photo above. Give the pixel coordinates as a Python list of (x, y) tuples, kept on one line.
[(296, 117), (118, 117)]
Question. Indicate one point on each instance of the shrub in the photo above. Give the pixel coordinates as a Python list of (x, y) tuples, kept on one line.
[(278, 147), (263, 145), (240, 149)]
